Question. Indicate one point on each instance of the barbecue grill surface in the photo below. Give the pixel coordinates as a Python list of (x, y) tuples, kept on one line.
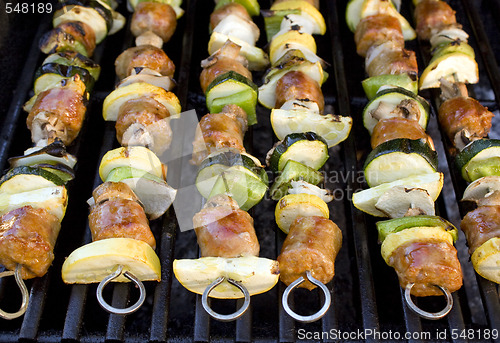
[(365, 291)]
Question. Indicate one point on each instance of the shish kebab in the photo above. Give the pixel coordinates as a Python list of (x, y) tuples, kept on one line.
[(33, 192), (466, 123), (402, 167), (292, 89), (134, 189)]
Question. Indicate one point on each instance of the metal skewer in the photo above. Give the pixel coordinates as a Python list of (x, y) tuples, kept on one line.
[(225, 317), (111, 277), (317, 315), (24, 293), (425, 314)]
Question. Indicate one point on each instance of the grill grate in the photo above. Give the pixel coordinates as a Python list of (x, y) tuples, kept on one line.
[(365, 292)]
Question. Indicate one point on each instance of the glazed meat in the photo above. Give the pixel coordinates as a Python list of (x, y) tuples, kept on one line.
[(480, 225), (219, 131), (226, 59), (312, 244), (146, 56), (155, 17), (118, 216), (396, 127), (388, 58), (27, 237), (295, 85), (230, 8), (141, 122), (377, 29), (58, 113), (464, 119), (223, 230), (431, 16), (427, 263)]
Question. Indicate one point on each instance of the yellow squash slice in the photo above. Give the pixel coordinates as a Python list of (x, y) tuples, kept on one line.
[(292, 206)]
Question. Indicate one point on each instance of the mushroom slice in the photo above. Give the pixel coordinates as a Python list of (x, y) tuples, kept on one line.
[(301, 186), (400, 201), (484, 191)]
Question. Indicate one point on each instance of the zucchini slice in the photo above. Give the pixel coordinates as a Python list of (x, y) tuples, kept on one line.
[(372, 84), (307, 148), (64, 172), (387, 227), (398, 159), (256, 274), (479, 158), (73, 58), (293, 171), (57, 40), (390, 98), (267, 92), (273, 19), (366, 200), (455, 67), (353, 13), (50, 74), (243, 166), (333, 128), (257, 58), (24, 179), (233, 88)]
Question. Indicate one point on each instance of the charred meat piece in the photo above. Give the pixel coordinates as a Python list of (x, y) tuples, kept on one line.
[(223, 230), (431, 16), (377, 29), (58, 113), (388, 58), (155, 17), (397, 127), (312, 244), (141, 122), (427, 263), (295, 85), (27, 237), (144, 56), (480, 225), (230, 8), (225, 59), (464, 119), (118, 216), (219, 131)]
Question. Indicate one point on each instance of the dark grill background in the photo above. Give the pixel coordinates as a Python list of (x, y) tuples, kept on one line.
[(366, 294)]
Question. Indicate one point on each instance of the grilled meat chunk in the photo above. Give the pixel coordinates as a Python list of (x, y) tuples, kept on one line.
[(155, 17), (389, 58), (295, 85), (480, 225), (145, 56), (431, 16), (397, 127), (377, 29)]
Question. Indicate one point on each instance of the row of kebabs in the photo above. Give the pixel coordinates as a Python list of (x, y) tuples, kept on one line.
[(466, 123), (33, 191), (402, 167), (424, 255)]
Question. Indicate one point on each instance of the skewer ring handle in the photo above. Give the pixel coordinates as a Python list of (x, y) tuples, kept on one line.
[(317, 315), (425, 314), (24, 293), (225, 317), (108, 279)]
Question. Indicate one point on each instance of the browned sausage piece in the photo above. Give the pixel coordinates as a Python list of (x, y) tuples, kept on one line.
[(295, 85), (396, 127), (480, 225), (427, 263), (312, 244), (377, 29), (146, 56), (230, 8), (27, 237), (388, 58), (109, 190), (223, 230), (156, 17), (464, 113), (118, 216), (431, 16)]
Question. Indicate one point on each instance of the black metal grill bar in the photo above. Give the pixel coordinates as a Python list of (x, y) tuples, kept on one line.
[(358, 224)]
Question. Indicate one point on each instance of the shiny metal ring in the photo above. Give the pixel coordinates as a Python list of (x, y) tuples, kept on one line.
[(24, 293), (225, 317), (108, 279), (317, 315), (425, 314)]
